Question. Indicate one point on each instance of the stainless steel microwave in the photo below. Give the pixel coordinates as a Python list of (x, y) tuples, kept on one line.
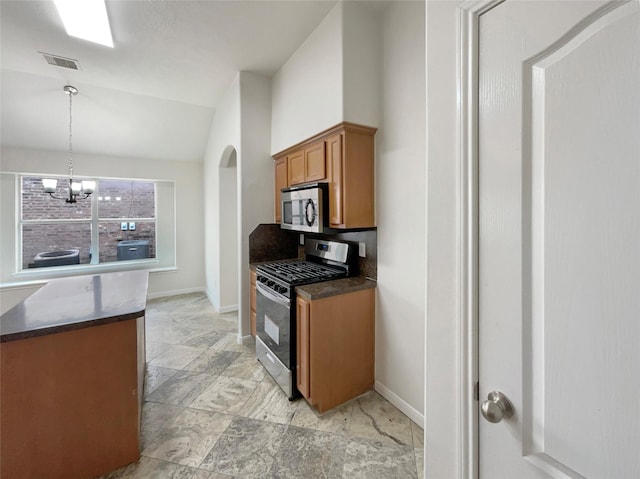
[(304, 208)]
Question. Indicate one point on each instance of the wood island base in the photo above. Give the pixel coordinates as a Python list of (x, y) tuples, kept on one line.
[(72, 371), (70, 403)]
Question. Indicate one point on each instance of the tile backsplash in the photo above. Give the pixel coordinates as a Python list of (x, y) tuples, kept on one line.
[(367, 266), (268, 242)]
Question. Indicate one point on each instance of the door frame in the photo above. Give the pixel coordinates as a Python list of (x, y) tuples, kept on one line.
[(467, 74)]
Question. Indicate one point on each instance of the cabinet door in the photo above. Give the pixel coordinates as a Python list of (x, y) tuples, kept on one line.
[(302, 343), (281, 182), (341, 348), (315, 162), (296, 167), (334, 162), (253, 303)]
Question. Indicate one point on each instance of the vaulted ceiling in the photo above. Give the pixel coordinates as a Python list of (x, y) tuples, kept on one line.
[(153, 95)]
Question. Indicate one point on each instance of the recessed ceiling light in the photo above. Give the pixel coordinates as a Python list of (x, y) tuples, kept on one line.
[(86, 19)]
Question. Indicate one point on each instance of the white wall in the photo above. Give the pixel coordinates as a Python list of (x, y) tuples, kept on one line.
[(383, 85), (8, 260), (442, 427), (242, 121), (229, 244), (362, 64), (332, 77), (257, 176), (401, 208), (189, 274), (307, 92), (225, 133), (10, 296), (172, 129)]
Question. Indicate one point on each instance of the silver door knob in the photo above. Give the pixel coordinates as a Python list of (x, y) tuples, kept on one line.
[(497, 407)]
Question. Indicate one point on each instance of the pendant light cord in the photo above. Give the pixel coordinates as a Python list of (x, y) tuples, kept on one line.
[(70, 136)]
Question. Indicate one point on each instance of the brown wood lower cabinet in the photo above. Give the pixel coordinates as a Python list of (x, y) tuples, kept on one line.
[(70, 402), (252, 293), (335, 347)]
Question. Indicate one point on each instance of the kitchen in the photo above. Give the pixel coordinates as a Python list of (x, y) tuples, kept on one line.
[(258, 116), (362, 62)]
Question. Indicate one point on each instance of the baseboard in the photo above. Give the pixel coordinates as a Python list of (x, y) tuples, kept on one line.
[(413, 414), (175, 292), (228, 309), (246, 339), (211, 300), (216, 306)]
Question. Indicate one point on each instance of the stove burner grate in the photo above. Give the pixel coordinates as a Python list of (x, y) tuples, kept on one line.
[(295, 270)]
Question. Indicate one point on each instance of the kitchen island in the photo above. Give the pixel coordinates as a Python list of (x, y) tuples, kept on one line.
[(72, 370)]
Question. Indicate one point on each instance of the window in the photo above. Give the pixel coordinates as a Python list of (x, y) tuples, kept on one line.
[(126, 213), (116, 223)]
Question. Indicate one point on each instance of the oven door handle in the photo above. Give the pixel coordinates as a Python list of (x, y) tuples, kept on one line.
[(273, 296)]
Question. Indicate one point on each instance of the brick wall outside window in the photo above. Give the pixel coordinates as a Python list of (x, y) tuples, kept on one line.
[(118, 201), (38, 205), (38, 238), (136, 199), (110, 236)]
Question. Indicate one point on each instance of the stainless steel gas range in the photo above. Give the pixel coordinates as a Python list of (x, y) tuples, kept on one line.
[(275, 303)]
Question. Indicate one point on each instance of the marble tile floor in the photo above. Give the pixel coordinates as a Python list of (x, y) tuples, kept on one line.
[(212, 412)]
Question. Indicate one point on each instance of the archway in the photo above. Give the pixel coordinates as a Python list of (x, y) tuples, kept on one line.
[(228, 214)]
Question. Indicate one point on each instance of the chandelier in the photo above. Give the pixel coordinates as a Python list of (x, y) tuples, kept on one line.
[(78, 190)]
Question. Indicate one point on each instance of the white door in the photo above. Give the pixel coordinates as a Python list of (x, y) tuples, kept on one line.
[(559, 238)]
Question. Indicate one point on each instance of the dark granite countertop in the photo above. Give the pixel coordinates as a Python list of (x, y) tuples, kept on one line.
[(336, 287), (77, 302)]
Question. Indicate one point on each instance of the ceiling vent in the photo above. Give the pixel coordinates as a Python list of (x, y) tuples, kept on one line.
[(61, 61)]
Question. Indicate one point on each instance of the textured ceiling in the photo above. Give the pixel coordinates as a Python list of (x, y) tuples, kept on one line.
[(155, 93)]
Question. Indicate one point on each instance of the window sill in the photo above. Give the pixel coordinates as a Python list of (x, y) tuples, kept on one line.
[(151, 265)]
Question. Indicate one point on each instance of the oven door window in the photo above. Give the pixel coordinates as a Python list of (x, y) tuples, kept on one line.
[(273, 323)]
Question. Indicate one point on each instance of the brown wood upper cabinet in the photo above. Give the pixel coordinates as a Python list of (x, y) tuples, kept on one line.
[(295, 168), (341, 156), (308, 164), (281, 165)]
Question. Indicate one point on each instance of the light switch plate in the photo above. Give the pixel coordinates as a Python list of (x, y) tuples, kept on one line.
[(362, 249), (132, 226), (123, 226)]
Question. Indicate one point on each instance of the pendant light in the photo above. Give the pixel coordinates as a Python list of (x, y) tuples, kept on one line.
[(78, 190)]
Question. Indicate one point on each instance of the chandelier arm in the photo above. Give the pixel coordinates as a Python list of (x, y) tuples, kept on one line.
[(72, 198), (57, 197)]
